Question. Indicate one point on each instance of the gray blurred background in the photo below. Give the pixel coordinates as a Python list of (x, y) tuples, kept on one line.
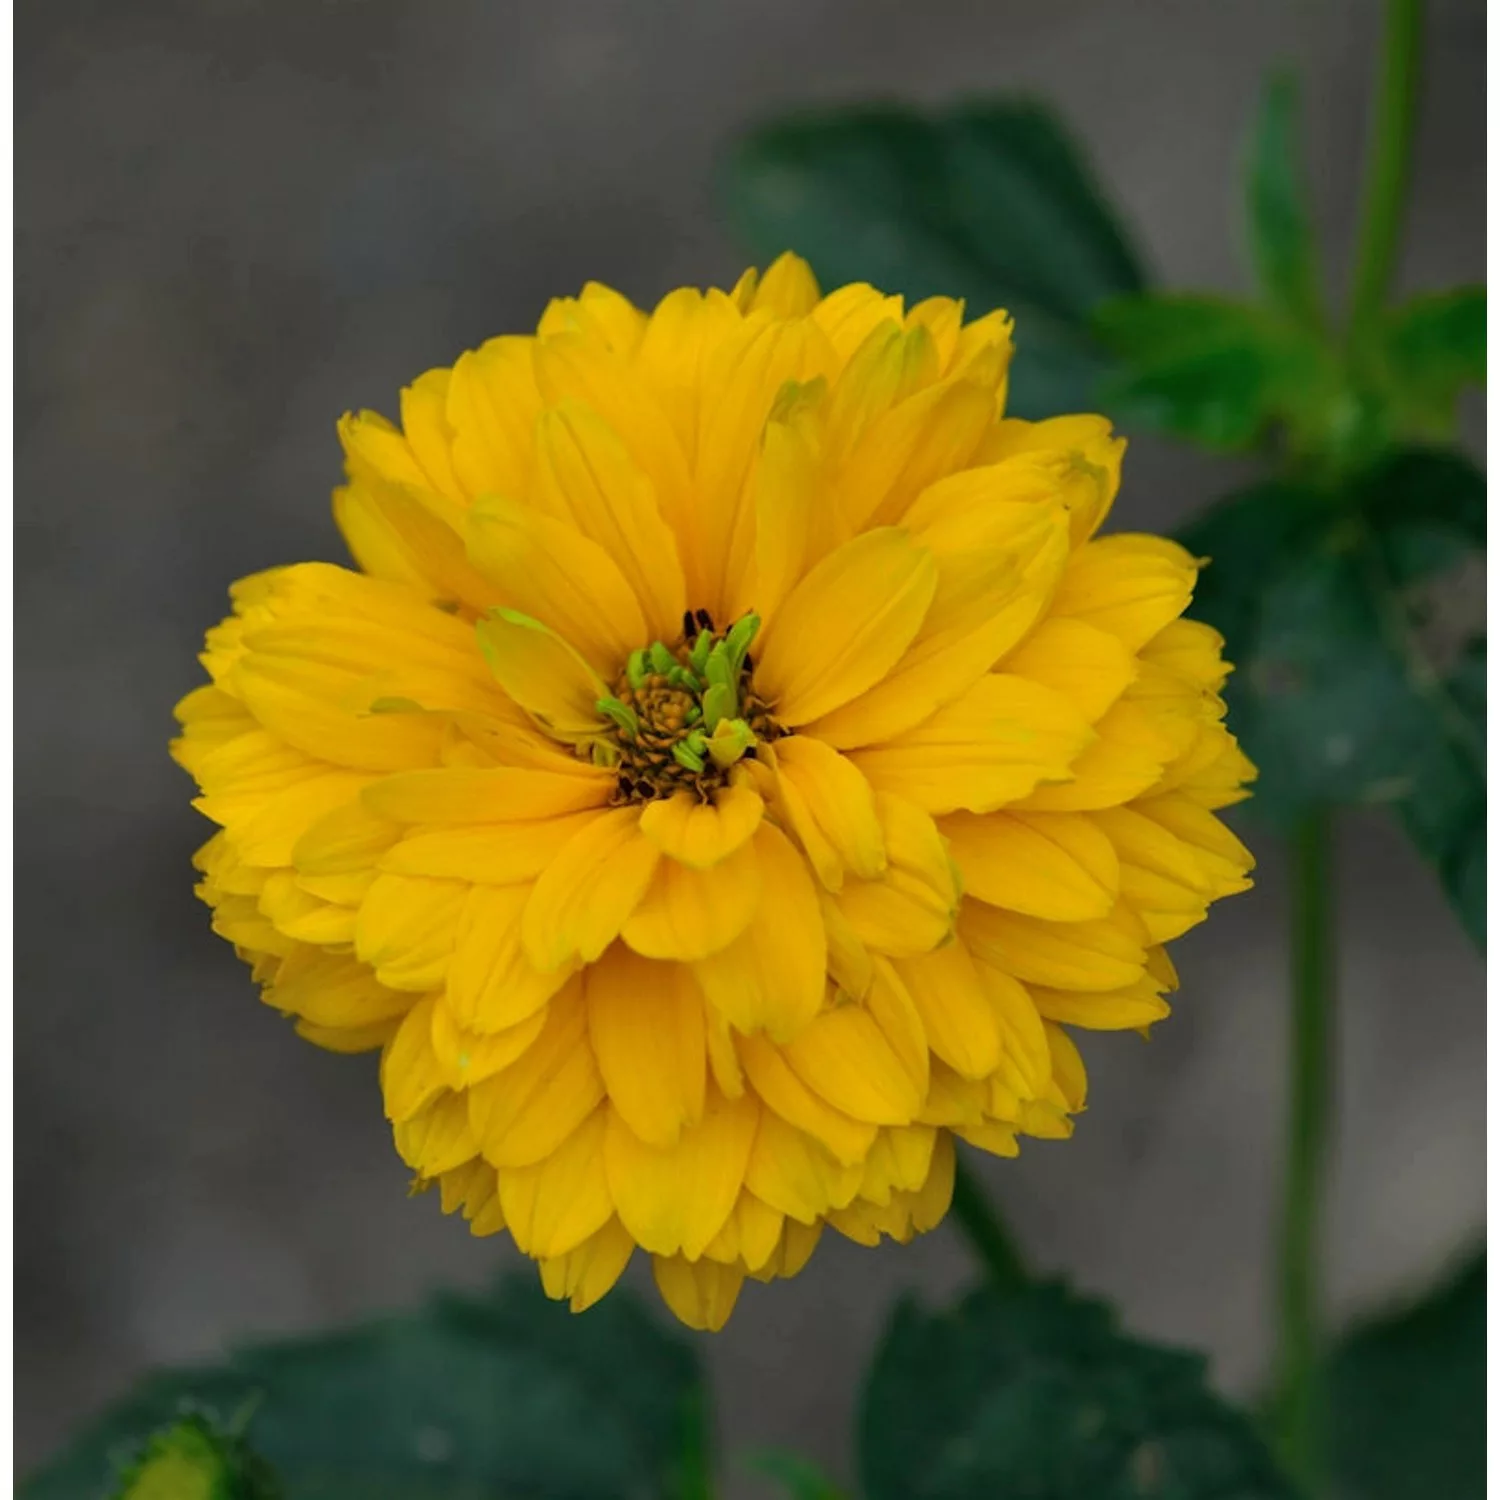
[(238, 220)]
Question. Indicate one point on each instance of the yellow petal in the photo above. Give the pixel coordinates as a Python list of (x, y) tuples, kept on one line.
[(1098, 955), (407, 927), (846, 1139), (333, 990), (998, 563), (531, 1107), (542, 672), (437, 1138), (488, 853), (1088, 666), (701, 834), (1126, 1009), (773, 975), (795, 1175), (740, 379), (411, 1077), (1067, 1067), (845, 625), (646, 1026), (795, 527), (958, 1018), (788, 288), (492, 985), (911, 908), (392, 535), (677, 1198), (472, 1056), (993, 746), (701, 1293), (838, 799), (555, 1204), (686, 914), (587, 893), (500, 794), (750, 1235), (1127, 758), (492, 405), (1131, 586), (554, 574), (1085, 454), (1053, 865), (589, 1270), (869, 1058), (585, 475)]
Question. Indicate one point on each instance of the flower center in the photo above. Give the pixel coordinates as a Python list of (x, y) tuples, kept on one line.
[(682, 716)]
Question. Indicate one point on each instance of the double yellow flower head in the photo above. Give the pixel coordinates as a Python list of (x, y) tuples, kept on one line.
[(733, 767)]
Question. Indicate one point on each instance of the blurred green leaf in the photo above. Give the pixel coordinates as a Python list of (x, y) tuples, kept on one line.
[(1214, 371), (990, 201), (1281, 237), (1429, 350), (469, 1399), (798, 1477), (198, 1458), (1037, 1393), (1407, 1399), (1355, 620)]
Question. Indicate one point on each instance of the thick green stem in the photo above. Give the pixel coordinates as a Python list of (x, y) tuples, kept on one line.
[(1299, 1405), (984, 1230), (1389, 161)]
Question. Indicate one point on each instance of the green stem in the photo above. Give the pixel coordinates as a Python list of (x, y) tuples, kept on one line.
[(1389, 161), (1299, 1406), (985, 1230)]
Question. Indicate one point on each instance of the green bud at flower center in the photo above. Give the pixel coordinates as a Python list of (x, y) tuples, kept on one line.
[(683, 716)]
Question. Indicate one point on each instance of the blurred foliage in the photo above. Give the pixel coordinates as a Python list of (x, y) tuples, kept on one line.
[(198, 1459), (1340, 585), (1037, 1393), (992, 202), (469, 1399), (1360, 654), (1407, 1418)]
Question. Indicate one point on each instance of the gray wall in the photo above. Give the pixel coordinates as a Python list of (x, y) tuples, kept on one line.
[(237, 221)]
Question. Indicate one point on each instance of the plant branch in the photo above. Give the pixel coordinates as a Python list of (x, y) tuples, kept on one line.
[(1389, 161), (1299, 1408), (984, 1229)]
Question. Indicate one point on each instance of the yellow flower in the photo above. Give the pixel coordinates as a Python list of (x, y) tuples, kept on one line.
[(734, 765)]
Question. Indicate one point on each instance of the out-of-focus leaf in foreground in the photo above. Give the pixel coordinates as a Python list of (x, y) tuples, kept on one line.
[(468, 1399), (1038, 1393), (990, 201)]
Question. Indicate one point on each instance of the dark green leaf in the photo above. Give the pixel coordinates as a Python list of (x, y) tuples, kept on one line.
[(1431, 348), (1037, 1393), (1216, 372), (991, 202), (470, 1399), (1355, 620), (1281, 237), (1407, 1399)]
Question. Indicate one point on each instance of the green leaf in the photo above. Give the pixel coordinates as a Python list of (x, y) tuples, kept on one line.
[(1355, 620), (1429, 350), (799, 1477), (1281, 237), (1407, 1398), (1037, 1393), (1214, 371), (989, 201), (469, 1399)]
